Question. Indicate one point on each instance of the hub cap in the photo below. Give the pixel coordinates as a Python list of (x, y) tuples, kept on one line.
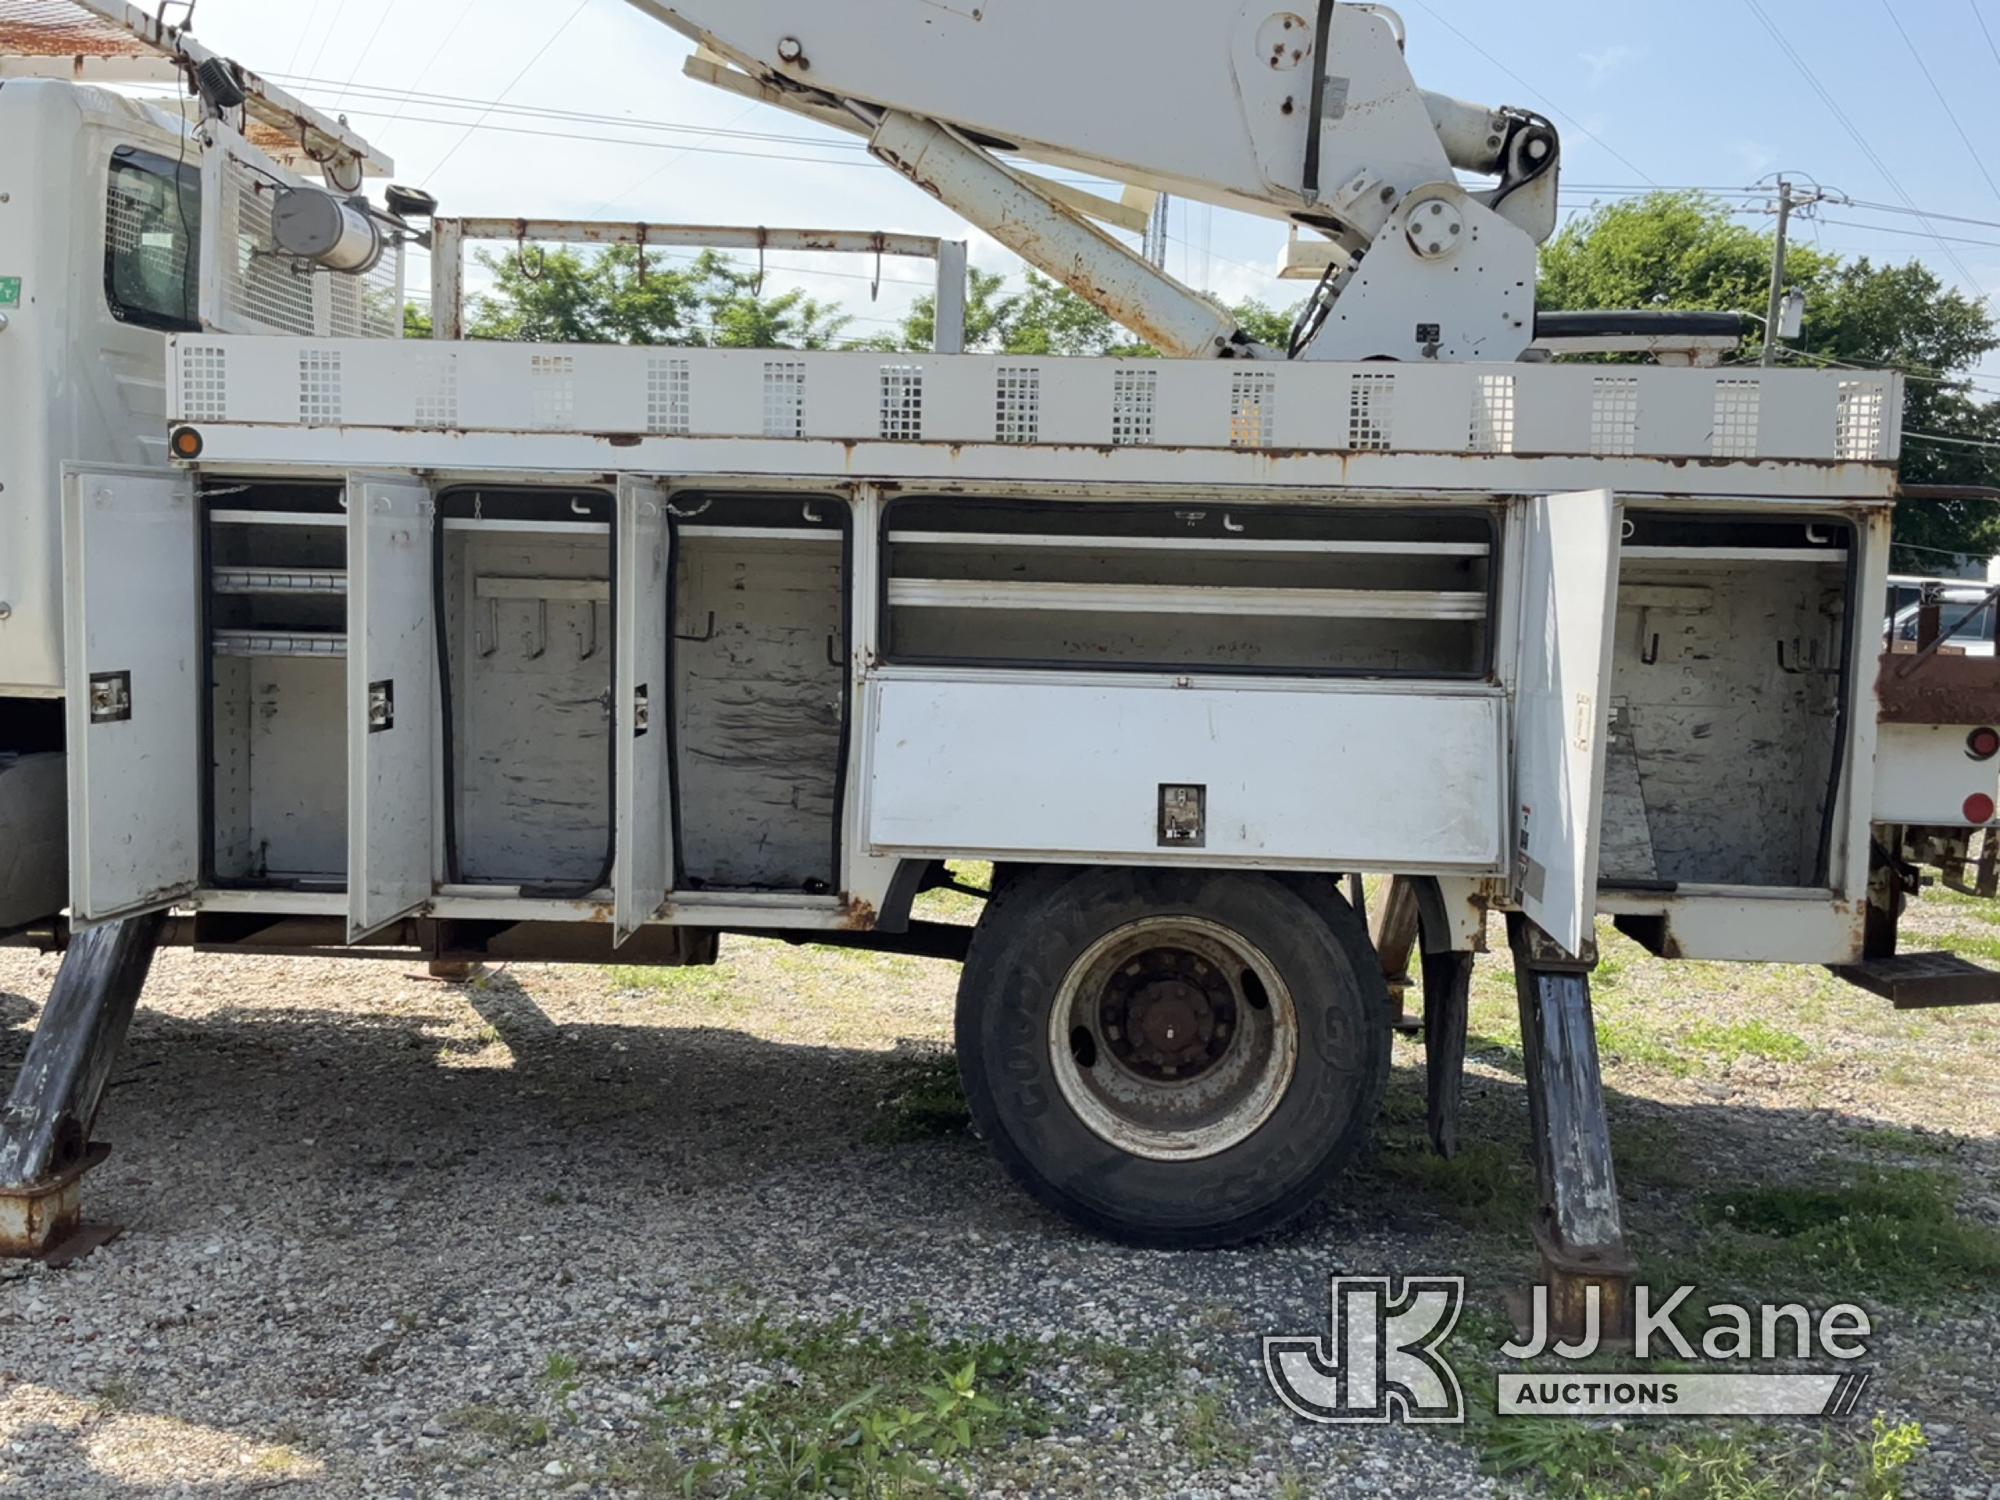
[(1173, 1038)]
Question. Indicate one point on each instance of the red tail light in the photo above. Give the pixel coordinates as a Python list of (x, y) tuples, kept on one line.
[(1983, 744), (1979, 808)]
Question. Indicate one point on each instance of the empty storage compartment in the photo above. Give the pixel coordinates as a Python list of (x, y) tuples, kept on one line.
[(760, 690), (277, 732), (526, 602), (1728, 700), (1364, 591)]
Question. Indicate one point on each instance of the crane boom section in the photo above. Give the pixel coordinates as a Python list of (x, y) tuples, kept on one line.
[(1211, 102)]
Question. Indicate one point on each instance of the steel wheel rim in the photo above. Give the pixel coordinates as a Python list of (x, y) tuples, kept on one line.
[(1173, 1038)]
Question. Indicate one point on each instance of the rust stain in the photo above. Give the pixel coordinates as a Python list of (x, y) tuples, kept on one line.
[(80, 38), (857, 915), (1938, 689)]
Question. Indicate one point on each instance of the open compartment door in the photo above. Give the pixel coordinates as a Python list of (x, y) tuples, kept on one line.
[(643, 861), (391, 714), (133, 699), (1569, 583)]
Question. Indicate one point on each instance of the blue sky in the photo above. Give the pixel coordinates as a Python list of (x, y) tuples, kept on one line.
[(1695, 94)]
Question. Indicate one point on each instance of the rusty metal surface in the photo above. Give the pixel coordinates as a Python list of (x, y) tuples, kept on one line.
[(56, 28), (37, 1219), (1938, 689)]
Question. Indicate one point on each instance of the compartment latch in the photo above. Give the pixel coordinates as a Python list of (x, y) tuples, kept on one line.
[(381, 705), (110, 697), (1183, 816)]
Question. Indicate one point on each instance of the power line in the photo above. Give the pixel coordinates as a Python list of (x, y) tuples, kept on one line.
[(1860, 140), (1890, 208), (1554, 108), (1950, 113), (305, 31), (1956, 442), (1912, 233), (488, 107), (366, 48), (525, 69), (431, 61), (648, 178), (606, 140), (331, 27), (1984, 30), (1925, 374)]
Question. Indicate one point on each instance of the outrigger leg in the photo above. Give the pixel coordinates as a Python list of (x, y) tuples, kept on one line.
[(1447, 1003), (1577, 1226), (45, 1145), (1397, 931)]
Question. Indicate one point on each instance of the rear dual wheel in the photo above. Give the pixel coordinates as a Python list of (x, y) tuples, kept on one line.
[(1172, 1057)]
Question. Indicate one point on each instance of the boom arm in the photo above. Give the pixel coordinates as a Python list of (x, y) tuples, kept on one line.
[(1309, 118)]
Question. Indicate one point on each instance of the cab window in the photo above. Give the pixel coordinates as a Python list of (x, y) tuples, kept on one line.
[(152, 239)]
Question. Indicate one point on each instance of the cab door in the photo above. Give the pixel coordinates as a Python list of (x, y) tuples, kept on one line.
[(133, 690), (1569, 586)]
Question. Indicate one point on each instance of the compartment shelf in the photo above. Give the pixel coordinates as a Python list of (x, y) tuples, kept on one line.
[(1247, 546), (1145, 598), (252, 580), (277, 518), (292, 643), (1736, 554)]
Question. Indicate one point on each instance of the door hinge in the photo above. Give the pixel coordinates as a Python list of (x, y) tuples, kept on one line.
[(642, 711), (382, 705), (110, 697)]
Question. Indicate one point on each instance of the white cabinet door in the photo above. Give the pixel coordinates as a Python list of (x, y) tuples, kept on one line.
[(643, 864), (134, 690), (1569, 583), (391, 698)]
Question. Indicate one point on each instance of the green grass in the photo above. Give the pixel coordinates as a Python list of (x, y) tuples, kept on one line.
[(1895, 1141), (1631, 1038), (1488, 1185), (506, 1428), (1965, 944), (868, 1414), (1628, 1041), (1573, 1460), (706, 985), (1206, 1433), (957, 906), (925, 1102), (1887, 1233), (1748, 1038)]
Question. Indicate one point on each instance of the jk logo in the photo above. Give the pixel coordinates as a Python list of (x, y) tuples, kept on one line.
[(1381, 1362)]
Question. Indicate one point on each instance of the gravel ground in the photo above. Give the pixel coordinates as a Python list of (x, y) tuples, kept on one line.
[(386, 1235)]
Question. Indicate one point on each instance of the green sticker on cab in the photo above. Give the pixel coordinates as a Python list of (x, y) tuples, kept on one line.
[(10, 291)]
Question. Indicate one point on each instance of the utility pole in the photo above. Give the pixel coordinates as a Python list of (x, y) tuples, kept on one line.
[(1775, 309)]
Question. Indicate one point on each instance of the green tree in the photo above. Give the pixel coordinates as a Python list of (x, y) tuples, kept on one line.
[(1044, 317), (1683, 250), (567, 296), (739, 316)]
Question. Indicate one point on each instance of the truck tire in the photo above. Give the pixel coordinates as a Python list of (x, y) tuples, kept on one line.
[(1172, 1058)]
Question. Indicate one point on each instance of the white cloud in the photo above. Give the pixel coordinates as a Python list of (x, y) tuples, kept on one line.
[(1603, 64)]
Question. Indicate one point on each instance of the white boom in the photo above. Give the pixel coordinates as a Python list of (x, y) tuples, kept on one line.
[(1308, 117)]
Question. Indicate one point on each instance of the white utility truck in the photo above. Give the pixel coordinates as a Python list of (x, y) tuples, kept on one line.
[(348, 644)]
